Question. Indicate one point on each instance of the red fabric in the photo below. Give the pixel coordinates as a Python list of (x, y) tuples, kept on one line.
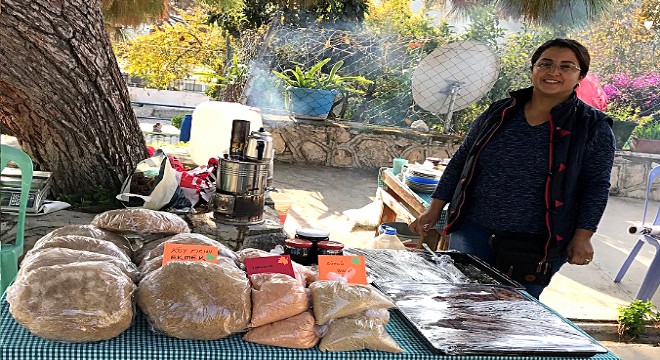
[(200, 177), (176, 163), (592, 93), (151, 151)]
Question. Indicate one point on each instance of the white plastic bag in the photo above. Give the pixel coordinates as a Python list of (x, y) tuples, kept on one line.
[(162, 191), (367, 217)]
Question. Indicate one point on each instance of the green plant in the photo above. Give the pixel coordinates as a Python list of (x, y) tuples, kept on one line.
[(633, 318), (315, 78), (176, 121), (98, 200), (648, 128)]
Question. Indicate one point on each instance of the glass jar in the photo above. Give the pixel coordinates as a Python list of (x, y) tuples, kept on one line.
[(330, 248), (313, 235), (298, 250)]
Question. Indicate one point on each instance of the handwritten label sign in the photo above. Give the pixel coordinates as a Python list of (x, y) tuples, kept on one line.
[(280, 264), (186, 252), (351, 268)]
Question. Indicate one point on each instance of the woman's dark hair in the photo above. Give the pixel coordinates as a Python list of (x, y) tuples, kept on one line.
[(581, 52)]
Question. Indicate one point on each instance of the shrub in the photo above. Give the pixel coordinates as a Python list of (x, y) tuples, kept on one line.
[(641, 92), (176, 121), (633, 318)]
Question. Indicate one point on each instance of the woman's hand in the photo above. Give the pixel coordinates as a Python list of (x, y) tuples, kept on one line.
[(428, 218), (580, 251)]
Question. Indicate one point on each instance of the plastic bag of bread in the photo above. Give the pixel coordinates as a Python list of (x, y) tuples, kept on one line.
[(303, 273), (196, 300), (79, 302), (296, 332), (358, 332), (61, 256), (336, 299), (141, 221), (90, 231), (190, 239), (277, 297), (139, 254), (150, 266), (76, 242)]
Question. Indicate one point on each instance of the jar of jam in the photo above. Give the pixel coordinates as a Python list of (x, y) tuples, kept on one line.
[(330, 248), (298, 249), (313, 235)]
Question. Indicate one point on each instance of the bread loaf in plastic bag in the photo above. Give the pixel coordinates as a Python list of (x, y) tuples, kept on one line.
[(80, 302), (142, 251), (191, 239), (277, 297), (196, 300), (91, 231), (62, 256), (337, 299), (141, 221), (296, 332), (76, 242)]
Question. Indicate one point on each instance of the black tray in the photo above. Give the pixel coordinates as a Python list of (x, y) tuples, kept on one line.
[(477, 271), (470, 319)]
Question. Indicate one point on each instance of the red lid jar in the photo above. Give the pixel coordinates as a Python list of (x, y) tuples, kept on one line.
[(330, 248), (298, 249)]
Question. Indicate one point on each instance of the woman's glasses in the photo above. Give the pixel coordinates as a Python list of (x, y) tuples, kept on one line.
[(563, 68)]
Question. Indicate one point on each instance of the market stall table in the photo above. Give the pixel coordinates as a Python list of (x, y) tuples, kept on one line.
[(139, 342), (402, 202)]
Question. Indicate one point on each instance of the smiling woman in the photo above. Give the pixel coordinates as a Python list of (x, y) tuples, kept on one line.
[(528, 186)]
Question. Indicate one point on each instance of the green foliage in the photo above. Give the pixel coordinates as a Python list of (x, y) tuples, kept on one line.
[(315, 78), (176, 121), (97, 201), (622, 112), (633, 318), (648, 128), (485, 26)]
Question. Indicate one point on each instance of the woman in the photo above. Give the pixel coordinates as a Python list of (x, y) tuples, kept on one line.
[(530, 182)]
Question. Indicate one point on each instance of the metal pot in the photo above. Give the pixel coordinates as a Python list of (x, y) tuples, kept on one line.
[(242, 178), (259, 146)]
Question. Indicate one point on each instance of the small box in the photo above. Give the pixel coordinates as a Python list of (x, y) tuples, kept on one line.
[(10, 190)]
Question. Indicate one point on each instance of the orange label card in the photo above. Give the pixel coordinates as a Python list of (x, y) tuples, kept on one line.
[(280, 264), (351, 268), (185, 252)]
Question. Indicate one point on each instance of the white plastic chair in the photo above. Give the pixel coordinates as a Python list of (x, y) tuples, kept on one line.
[(652, 278)]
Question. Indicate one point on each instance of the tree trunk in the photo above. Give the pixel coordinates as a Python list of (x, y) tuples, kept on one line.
[(63, 96)]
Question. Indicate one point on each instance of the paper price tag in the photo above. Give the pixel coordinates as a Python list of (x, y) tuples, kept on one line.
[(351, 268), (185, 252), (280, 264)]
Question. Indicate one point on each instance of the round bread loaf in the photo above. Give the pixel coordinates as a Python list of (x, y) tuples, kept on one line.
[(90, 231), (60, 256), (150, 266), (141, 221), (76, 242), (190, 239), (196, 300), (139, 254), (81, 302)]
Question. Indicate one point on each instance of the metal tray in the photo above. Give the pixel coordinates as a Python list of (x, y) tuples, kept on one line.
[(470, 319), (417, 266)]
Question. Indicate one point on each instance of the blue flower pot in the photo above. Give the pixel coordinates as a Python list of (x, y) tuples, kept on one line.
[(311, 102)]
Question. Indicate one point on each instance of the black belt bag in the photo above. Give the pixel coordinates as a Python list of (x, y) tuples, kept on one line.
[(521, 256)]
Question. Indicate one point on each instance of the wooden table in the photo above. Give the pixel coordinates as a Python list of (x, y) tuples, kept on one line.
[(401, 202)]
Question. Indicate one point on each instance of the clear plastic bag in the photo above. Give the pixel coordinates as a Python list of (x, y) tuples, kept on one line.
[(84, 243), (90, 231), (79, 302), (336, 299), (358, 332), (277, 297), (303, 273), (61, 256), (196, 300), (191, 239), (141, 221), (448, 269), (296, 332)]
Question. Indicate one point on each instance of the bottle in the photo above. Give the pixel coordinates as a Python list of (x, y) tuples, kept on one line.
[(388, 240)]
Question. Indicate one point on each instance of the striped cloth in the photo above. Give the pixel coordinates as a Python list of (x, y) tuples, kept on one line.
[(139, 342)]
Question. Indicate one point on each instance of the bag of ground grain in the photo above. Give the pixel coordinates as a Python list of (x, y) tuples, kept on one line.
[(139, 254), (303, 273), (79, 302), (141, 221), (76, 242), (358, 332), (93, 232), (191, 239), (297, 332), (61, 256), (196, 300), (337, 299), (277, 297)]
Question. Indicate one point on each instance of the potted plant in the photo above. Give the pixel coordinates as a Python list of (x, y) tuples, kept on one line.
[(312, 93), (646, 137)]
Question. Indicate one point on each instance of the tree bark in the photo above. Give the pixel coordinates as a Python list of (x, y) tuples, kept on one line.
[(62, 94)]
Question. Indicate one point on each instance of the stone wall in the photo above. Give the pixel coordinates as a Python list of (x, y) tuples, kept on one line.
[(345, 144), (630, 174)]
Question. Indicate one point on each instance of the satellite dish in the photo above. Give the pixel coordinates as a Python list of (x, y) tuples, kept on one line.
[(454, 76)]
